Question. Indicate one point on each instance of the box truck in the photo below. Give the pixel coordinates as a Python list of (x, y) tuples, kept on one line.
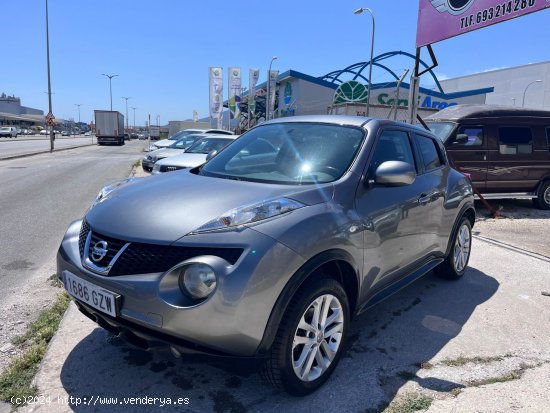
[(154, 133), (109, 127)]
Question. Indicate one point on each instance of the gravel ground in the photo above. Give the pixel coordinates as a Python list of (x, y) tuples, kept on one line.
[(520, 225)]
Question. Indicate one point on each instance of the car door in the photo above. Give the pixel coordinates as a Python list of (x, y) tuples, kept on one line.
[(393, 216), (432, 182), (470, 157)]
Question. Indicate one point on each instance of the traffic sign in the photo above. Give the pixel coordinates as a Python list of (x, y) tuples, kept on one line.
[(50, 118)]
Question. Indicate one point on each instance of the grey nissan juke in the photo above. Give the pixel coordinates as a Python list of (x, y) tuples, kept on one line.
[(270, 248)]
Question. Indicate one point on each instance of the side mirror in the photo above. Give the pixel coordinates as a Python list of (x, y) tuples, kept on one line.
[(211, 154), (395, 173), (461, 139)]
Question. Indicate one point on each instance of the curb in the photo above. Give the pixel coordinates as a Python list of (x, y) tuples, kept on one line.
[(25, 155)]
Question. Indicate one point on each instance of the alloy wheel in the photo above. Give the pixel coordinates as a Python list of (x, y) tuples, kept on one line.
[(317, 338), (462, 248)]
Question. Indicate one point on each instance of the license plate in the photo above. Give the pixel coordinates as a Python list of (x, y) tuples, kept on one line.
[(91, 294)]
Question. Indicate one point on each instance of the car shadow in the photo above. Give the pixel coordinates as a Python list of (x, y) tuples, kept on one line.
[(387, 347)]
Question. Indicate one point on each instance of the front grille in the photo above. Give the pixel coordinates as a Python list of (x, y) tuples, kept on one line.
[(139, 258), (168, 168), (113, 247), (149, 258), (84, 230)]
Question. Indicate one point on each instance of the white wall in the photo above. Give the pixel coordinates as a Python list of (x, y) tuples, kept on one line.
[(509, 84)]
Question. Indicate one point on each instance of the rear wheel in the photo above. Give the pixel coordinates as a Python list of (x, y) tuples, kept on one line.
[(456, 262), (310, 339), (543, 200)]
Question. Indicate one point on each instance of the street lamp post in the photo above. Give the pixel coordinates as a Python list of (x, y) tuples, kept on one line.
[(110, 88), (268, 97), (525, 91), (52, 135), (78, 106), (124, 97), (134, 117), (359, 11)]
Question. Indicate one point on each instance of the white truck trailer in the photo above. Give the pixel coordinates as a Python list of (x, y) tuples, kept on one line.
[(109, 127)]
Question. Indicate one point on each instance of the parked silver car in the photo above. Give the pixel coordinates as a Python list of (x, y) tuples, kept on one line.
[(195, 155), (269, 253), (175, 148)]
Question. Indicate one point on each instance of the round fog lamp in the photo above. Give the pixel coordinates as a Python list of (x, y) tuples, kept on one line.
[(197, 281)]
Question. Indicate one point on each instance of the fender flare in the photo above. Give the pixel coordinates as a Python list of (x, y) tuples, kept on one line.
[(293, 285)]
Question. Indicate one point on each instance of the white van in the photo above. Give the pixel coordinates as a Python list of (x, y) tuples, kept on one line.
[(8, 132)]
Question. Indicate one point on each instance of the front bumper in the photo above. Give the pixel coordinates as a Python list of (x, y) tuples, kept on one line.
[(147, 165), (232, 321)]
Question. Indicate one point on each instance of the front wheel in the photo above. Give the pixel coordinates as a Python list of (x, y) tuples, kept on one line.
[(543, 199), (456, 262), (310, 339)]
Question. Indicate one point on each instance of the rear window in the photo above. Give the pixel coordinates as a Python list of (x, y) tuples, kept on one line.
[(430, 154), (515, 140)]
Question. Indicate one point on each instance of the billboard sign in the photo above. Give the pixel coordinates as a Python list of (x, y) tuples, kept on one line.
[(235, 81), (253, 76), (442, 19), (216, 93)]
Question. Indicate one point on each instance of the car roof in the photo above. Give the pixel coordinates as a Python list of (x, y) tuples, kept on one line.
[(473, 111), (219, 136), (333, 119)]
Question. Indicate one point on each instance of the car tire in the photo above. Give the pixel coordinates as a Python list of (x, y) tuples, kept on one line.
[(456, 262), (543, 199), (309, 353)]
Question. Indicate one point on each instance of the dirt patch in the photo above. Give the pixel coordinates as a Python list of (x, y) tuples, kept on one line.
[(520, 225)]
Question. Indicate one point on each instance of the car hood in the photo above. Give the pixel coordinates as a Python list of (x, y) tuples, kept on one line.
[(165, 153), (188, 160), (163, 208), (164, 143)]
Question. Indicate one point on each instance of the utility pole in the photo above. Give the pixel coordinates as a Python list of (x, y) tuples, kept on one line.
[(52, 135), (110, 88), (124, 97), (134, 117)]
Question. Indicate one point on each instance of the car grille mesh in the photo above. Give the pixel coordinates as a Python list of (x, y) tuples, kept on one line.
[(84, 230), (113, 247), (140, 258)]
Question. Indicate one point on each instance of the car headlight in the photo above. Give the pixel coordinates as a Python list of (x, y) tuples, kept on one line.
[(156, 167), (197, 281), (107, 189), (250, 214)]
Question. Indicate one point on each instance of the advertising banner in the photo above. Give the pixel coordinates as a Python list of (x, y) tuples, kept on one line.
[(273, 75), (216, 94), (234, 84), (442, 19), (253, 75)]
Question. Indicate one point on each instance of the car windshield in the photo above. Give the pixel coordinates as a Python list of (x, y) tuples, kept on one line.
[(182, 134), (207, 145), (441, 129), (184, 143), (4, 129), (289, 153)]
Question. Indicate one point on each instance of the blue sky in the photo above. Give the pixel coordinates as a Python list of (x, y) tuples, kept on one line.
[(162, 49)]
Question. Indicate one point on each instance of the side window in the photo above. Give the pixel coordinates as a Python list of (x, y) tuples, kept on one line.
[(430, 153), (392, 146), (474, 134), (548, 137), (515, 140)]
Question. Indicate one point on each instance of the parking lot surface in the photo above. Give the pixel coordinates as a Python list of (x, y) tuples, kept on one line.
[(478, 344)]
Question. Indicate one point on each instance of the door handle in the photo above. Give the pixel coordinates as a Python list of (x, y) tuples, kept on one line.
[(424, 198)]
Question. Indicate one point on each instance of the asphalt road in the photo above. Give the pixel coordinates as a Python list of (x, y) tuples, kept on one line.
[(39, 196), (16, 146)]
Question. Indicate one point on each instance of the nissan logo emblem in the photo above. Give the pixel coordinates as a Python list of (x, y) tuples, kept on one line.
[(99, 250)]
